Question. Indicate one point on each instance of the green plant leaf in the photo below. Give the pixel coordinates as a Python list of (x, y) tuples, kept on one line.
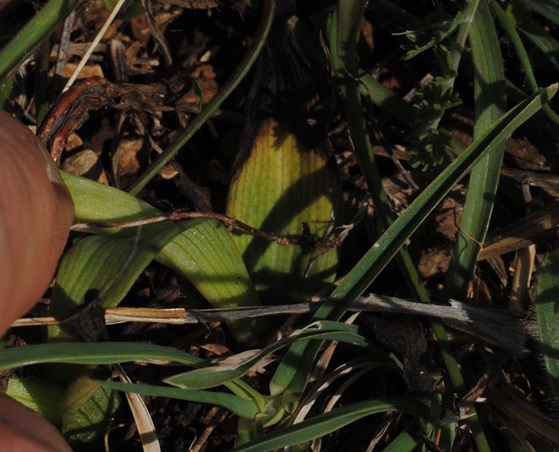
[(241, 407), (107, 265), (490, 105), (38, 394), (203, 252), (296, 187), (209, 377), (324, 424), (93, 353), (547, 299), (87, 411)]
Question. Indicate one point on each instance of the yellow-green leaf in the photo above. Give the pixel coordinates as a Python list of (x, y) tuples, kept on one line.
[(280, 188)]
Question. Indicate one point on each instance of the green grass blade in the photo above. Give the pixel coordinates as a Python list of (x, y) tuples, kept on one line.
[(507, 23), (240, 72), (93, 353), (209, 377), (490, 106), (324, 424), (548, 46), (241, 407), (548, 9), (32, 35)]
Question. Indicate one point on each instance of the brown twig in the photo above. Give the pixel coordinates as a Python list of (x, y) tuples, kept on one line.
[(306, 242)]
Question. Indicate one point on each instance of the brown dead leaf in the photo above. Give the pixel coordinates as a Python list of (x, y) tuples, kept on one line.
[(215, 349), (86, 163), (90, 70), (128, 156), (168, 172)]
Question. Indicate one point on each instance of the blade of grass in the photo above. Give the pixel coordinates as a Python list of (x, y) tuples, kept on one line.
[(93, 353), (523, 57), (238, 75), (490, 106), (324, 424), (39, 28), (238, 406), (218, 375)]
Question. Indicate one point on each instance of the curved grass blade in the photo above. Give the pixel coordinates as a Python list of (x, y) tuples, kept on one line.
[(241, 407), (209, 377), (238, 75), (90, 353), (324, 424)]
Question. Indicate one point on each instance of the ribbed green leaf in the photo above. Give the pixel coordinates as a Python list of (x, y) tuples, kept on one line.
[(281, 187), (547, 303), (203, 252)]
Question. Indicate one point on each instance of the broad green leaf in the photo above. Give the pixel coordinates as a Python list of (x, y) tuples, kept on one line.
[(38, 394), (324, 424), (294, 186), (240, 407), (547, 302), (203, 252), (87, 410), (107, 265)]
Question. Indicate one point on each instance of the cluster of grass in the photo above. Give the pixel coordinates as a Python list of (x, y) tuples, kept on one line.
[(464, 40)]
